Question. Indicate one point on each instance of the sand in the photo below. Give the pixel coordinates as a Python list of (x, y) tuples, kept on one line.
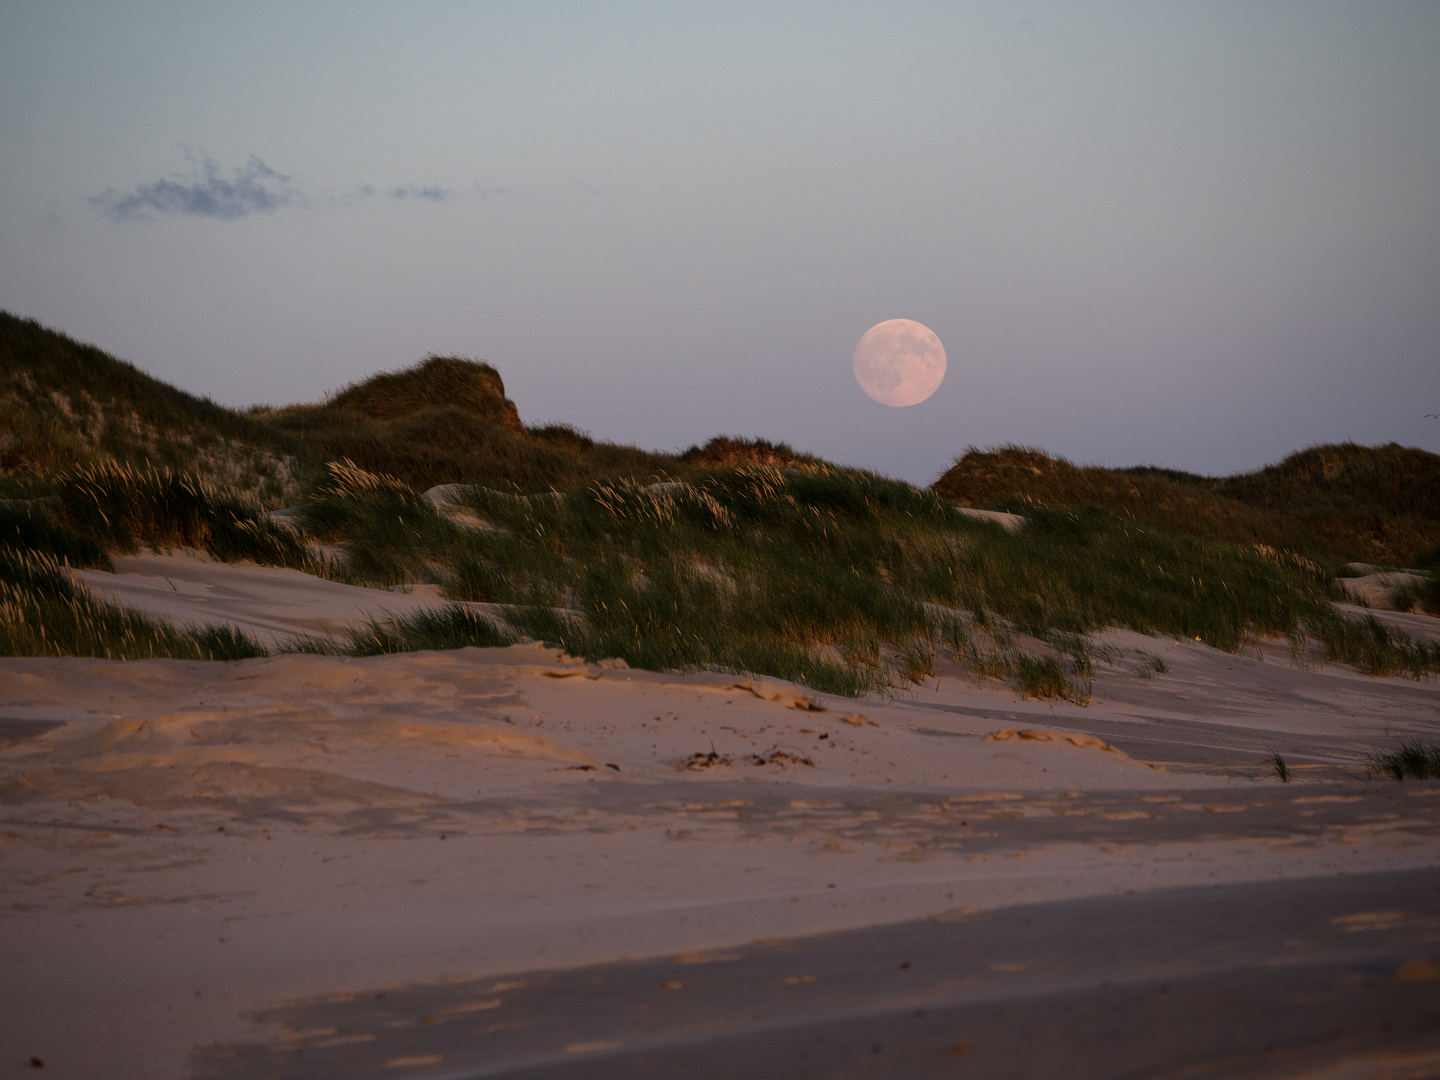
[(1376, 590), (188, 845), (275, 606)]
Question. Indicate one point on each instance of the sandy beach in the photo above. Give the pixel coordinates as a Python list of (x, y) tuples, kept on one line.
[(197, 853)]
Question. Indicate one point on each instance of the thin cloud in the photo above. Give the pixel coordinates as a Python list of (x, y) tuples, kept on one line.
[(410, 191), (252, 188)]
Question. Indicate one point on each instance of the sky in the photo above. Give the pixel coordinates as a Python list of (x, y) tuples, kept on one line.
[(1193, 235)]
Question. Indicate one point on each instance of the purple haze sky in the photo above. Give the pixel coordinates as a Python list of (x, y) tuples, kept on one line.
[(1192, 235)]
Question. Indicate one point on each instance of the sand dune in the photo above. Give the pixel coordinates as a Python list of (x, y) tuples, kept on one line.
[(1377, 590)]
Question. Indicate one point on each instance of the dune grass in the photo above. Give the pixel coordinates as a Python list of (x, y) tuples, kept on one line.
[(391, 535), (44, 613), (447, 420), (1415, 759), (735, 572), (65, 404), (450, 627), (26, 526), (1280, 768), (1379, 649), (1428, 594), (119, 507)]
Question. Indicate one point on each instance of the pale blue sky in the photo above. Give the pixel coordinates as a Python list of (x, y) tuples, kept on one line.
[(1194, 235)]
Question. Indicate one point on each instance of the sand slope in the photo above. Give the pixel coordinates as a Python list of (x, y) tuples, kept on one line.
[(273, 605)]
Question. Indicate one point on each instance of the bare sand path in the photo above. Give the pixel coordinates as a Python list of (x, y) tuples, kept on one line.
[(195, 855)]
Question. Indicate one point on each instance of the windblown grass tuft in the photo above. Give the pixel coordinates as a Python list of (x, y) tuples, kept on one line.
[(1277, 763), (450, 627), (1414, 759), (120, 507), (391, 534), (1379, 649), (25, 526), (1428, 594)]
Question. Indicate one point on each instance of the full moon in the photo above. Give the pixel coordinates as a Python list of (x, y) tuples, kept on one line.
[(899, 362)]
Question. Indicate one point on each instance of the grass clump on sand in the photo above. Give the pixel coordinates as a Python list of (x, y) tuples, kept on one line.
[(1379, 649), (450, 627), (1427, 592), (44, 613), (25, 526), (1414, 759), (733, 572), (120, 507), (747, 570), (391, 535)]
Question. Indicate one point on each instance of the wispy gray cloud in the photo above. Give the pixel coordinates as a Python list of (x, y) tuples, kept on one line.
[(254, 187), (410, 191), (250, 189)]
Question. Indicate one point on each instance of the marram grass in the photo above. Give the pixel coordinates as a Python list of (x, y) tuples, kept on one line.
[(451, 627), (121, 506), (1415, 759), (43, 612)]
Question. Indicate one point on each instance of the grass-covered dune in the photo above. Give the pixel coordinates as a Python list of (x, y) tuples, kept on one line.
[(839, 579), (64, 404), (447, 420), (835, 578), (1332, 503), (739, 554)]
